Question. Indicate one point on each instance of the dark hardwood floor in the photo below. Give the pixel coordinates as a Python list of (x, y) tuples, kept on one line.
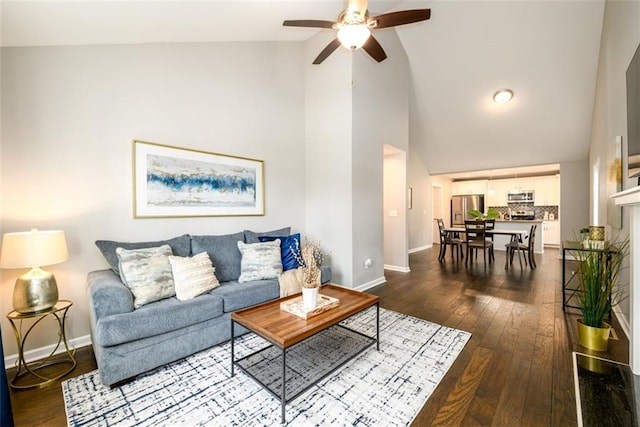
[(515, 370)]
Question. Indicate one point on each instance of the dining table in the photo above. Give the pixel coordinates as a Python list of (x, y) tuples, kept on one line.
[(517, 236)]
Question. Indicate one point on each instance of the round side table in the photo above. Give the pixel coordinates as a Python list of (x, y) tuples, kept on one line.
[(33, 369)]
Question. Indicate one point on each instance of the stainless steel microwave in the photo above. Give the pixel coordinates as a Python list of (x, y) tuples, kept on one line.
[(520, 196)]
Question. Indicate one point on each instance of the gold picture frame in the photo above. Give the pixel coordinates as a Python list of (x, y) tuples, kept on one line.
[(172, 181)]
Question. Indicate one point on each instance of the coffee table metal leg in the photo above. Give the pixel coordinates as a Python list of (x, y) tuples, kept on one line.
[(378, 327), (283, 400), (232, 339)]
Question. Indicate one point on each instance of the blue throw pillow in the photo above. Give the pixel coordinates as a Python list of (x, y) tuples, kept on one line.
[(287, 245)]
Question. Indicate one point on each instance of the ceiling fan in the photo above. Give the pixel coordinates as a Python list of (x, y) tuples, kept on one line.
[(354, 27)]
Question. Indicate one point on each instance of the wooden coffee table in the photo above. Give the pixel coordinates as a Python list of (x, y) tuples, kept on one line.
[(284, 329)]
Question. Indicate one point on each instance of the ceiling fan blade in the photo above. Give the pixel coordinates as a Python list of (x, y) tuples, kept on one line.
[(402, 17), (373, 48), (328, 50), (308, 23)]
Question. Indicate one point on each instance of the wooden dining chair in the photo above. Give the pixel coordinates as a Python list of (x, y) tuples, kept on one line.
[(527, 248), (450, 240), (477, 239)]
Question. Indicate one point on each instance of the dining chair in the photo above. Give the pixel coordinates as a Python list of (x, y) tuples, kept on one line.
[(491, 224), (447, 238), (477, 239), (527, 249)]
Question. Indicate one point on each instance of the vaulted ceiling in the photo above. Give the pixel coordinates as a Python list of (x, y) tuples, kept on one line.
[(545, 51)]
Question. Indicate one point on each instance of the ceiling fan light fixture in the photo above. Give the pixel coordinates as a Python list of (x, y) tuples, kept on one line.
[(503, 96), (353, 36)]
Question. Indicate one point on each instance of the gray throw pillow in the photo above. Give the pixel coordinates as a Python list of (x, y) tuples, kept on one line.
[(181, 246), (223, 251), (252, 236), (147, 273)]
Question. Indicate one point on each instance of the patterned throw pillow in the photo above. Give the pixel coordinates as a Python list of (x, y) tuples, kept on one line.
[(193, 276), (288, 245), (147, 273), (259, 261)]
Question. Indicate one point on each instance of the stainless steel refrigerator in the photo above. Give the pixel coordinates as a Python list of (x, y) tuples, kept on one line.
[(461, 205)]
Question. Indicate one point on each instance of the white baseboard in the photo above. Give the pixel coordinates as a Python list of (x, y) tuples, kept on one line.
[(421, 248), (371, 284), (624, 323), (42, 352), (397, 268)]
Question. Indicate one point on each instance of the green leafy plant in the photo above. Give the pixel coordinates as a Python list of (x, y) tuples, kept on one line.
[(598, 276), (491, 214)]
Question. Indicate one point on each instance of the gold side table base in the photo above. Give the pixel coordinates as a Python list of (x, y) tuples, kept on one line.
[(33, 370)]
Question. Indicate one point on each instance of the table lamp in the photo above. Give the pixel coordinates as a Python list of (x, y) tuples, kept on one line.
[(35, 290)]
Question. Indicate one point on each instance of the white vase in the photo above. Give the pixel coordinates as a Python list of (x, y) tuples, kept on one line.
[(309, 298)]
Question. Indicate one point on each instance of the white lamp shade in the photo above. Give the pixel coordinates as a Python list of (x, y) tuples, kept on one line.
[(353, 36), (33, 249)]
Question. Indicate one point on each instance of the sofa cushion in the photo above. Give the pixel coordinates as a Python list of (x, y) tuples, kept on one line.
[(147, 273), (157, 318), (237, 295), (259, 261), (289, 250), (192, 276), (181, 246), (223, 251), (253, 236)]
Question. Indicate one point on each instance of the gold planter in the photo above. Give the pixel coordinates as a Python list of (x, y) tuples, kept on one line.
[(594, 338)]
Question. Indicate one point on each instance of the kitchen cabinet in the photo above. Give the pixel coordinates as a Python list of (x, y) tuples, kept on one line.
[(497, 190), (551, 233), (469, 187), (547, 191)]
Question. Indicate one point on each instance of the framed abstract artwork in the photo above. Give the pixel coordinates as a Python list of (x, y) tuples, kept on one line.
[(179, 182)]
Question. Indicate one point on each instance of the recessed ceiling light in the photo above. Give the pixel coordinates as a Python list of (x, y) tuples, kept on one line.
[(503, 95)]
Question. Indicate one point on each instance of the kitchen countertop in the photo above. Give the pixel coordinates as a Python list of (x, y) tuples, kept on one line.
[(519, 220)]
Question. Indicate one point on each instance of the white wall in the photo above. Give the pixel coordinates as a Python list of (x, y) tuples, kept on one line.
[(620, 38), (380, 117), (328, 174), (574, 203), (69, 115)]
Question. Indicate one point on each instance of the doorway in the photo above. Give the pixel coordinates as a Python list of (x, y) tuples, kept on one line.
[(396, 252), (437, 202)]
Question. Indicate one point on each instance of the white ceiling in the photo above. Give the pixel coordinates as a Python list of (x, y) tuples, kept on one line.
[(545, 51)]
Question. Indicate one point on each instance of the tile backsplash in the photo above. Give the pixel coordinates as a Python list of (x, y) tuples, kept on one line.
[(539, 210)]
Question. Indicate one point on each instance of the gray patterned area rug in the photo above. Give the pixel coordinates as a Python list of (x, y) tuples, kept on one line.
[(386, 387)]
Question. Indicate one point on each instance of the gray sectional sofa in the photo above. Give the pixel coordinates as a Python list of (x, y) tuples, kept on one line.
[(128, 341)]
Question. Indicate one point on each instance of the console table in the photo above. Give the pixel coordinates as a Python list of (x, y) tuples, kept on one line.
[(570, 287)]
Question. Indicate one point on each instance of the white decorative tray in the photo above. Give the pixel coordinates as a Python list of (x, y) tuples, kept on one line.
[(295, 306)]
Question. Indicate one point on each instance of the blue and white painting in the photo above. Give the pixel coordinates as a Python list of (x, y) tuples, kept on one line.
[(178, 182)]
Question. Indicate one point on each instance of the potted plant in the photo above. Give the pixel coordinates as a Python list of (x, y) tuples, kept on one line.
[(598, 276), (491, 214), (310, 258)]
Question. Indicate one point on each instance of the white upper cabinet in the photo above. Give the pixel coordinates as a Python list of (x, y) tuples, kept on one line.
[(547, 191), (469, 187), (497, 190)]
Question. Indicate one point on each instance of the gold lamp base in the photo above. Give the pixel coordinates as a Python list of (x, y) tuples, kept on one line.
[(35, 291)]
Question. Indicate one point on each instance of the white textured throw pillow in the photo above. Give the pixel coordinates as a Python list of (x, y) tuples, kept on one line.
[(193, 276), (147, 273), (260, 261), (290, 282)]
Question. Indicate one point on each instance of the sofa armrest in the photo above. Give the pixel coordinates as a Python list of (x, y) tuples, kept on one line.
[(107, 294)]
